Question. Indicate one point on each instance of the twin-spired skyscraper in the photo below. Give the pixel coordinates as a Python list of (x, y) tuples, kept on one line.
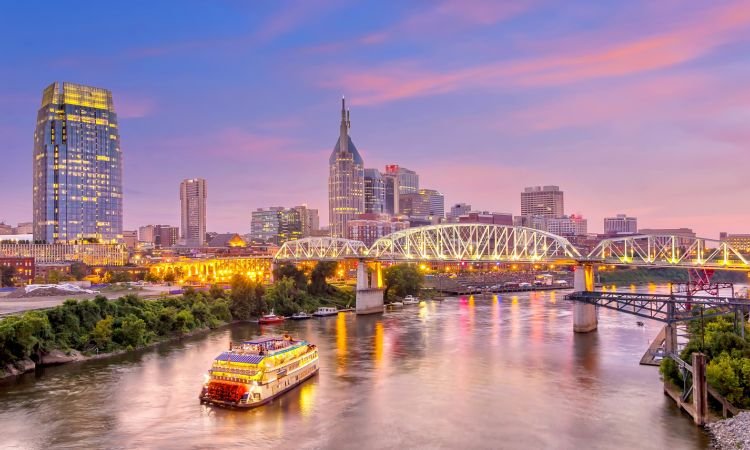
[(346, 180), (77, 166)]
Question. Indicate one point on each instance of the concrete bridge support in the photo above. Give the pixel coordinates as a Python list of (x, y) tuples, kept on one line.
[(369, 292), (584, 314)]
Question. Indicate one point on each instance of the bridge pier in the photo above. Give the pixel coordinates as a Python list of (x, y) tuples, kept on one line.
[(369, 292), (584, 314)]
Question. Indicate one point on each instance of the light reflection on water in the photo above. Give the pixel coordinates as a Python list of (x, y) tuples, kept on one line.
[(501, 371)]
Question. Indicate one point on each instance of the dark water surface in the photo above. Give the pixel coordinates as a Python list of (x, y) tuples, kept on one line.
[(466, 373)]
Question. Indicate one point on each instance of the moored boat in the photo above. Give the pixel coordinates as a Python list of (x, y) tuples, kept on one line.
[(300, 316), (255, 372), (394, 305), (325, 311), (410, 300), (272, 318)]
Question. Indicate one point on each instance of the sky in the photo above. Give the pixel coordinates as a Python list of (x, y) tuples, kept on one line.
[(635, 107)]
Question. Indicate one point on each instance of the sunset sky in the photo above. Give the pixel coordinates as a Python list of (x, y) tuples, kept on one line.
[(638, 107)]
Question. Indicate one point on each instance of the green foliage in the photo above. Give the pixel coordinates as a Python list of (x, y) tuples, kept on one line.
[(285, 298), (121, 276), (246, 298), (731, 377), (102, 334), (293, 273), (216, 292), (131, 332), (402, 280), (728, 368), (169, 277), (318, 278)]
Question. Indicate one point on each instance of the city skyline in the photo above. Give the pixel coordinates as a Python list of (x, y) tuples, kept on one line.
[(569, 105)]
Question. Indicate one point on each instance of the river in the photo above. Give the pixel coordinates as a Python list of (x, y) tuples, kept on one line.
[(502, 372)]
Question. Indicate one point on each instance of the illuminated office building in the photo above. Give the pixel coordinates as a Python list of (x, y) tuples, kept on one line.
[(374, 192), (193, 209), (346, 184), (77, 186)]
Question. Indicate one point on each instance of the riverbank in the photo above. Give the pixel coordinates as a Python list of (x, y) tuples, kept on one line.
[(59, 357), (731, 434), (642, 276)]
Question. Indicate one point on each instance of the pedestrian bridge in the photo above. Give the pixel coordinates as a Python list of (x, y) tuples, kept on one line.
[(502, 243)]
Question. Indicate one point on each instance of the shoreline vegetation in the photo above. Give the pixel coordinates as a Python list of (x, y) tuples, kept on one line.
[(641, 276), (80, 330)]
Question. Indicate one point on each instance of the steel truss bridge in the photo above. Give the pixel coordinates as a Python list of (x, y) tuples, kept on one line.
[(664, 308), (501, 243)]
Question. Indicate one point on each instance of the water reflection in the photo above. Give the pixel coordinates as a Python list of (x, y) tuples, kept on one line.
[(474, 372)]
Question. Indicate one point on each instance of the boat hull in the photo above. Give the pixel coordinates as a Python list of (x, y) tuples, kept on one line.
[(209, 401)]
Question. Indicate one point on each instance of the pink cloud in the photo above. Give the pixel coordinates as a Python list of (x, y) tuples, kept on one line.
[(694, 38), (130, 106)]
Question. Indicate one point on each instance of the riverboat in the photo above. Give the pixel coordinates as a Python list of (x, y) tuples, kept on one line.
[(269, 319), (324, 311), (255, 372)]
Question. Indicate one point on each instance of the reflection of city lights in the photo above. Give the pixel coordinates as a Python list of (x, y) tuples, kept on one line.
[(378, 342), (341, 339), (307, 398)]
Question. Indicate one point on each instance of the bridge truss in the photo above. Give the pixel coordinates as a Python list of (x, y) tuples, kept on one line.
[(669, 250), (320, 249), (473, 242), (664, 307)]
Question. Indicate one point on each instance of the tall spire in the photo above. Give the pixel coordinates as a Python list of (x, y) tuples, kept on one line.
[(343, 134)]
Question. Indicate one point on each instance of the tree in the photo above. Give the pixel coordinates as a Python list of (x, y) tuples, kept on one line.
[(284, 297), (293, 273), (246, 298), (102, 334), (79, 270), (132, 331), (152, 277), (6, 276), (121, 276), (402, 280), (318, 278)]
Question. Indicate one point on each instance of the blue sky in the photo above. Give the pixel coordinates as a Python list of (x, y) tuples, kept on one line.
[(631, 107)]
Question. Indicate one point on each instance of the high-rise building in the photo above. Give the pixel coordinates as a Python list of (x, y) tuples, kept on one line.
[(398, 181), (346, 179), (193, 208), (309, 218), (620, 224), (374, 192), (77, 181), (426, 203), (278, 225), (436, 200), (265, 223), (457, 210), (545, 201), (390, 181)]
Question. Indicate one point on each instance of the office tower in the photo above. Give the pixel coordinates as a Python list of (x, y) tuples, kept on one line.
[(264, 224), (545, 201), (278, 225), (193, 208), (436, 202), (309, 218), (398, 181), (159, 235), (77, 185), (374, 192), (621, 224), (346, 190)]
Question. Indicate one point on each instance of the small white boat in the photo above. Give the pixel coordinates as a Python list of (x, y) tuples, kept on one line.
[(410, 300), (395, 305), (324, 311), (300, 316)]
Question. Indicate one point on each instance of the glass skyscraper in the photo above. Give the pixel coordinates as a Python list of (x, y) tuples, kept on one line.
[(77, 166), (374, 192), (346, 180)]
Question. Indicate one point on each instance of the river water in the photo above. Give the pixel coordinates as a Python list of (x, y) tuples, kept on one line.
[(501, 372)]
